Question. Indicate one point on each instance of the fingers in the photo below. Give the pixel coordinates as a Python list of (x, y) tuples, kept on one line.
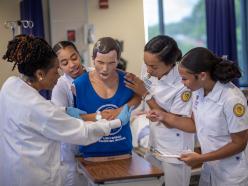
[(153, 113), (110, 117), (129, 85), (153, 118), (131, 78), (129, 75)]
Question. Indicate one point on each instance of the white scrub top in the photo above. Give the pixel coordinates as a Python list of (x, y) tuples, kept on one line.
[(62, 96), (217, 115), (31, 130), (174, 97)]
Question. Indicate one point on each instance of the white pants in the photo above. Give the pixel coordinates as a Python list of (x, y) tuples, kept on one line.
[(70, 175), (174, 174)]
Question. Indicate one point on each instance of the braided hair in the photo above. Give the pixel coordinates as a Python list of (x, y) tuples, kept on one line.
[(200, 59), (29, 54), (64, 44), (165, 48)]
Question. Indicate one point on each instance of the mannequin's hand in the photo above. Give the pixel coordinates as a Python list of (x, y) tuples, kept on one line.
[(110, 114)]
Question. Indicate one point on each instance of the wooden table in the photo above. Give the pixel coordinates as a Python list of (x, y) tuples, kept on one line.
[(133, 171)]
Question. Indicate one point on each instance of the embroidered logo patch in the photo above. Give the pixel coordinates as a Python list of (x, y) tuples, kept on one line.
[(239, 109), (186, 95)]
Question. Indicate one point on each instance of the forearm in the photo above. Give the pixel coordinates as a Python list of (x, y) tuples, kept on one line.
[(182, 123), (88, 117), (153, 105), (135, 101)]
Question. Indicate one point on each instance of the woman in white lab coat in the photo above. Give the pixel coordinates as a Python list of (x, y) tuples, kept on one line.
[(220, 116), (162, 89), (31, 127)]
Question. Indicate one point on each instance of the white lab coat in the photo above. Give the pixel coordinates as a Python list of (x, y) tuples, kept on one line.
[(31, 130), (168, 93), (215, 121), (62, 96)]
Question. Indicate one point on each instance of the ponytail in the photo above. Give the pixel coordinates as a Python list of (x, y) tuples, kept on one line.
[(226, 71), (200, 59)]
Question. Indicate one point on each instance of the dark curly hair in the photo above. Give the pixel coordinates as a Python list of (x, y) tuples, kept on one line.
[(165, 48), (29, 54), (200, 59)]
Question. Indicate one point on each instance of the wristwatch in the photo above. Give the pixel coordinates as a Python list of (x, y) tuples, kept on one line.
[(98, 116), (147, 97)]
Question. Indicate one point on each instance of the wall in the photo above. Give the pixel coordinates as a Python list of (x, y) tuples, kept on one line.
[(46, 20), (9, 10), (123, 20), (69, 15)]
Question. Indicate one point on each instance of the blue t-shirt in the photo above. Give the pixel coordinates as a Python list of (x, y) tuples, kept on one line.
[(120, 140)]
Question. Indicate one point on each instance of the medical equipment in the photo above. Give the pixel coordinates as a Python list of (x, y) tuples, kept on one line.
[(19, 23)]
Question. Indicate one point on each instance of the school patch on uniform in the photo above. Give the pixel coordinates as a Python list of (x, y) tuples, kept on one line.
[(239, 109), (186, 95)]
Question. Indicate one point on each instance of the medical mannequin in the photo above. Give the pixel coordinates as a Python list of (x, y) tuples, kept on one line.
[(162, 89), (31, 127), (219, 115), (101, 90)]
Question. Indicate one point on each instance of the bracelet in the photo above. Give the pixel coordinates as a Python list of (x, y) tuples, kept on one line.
[(144, 96), (98, 116), (147, 97)]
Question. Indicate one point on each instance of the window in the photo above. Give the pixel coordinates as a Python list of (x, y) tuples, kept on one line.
[(184, 20), (151, 19), (243, 81)]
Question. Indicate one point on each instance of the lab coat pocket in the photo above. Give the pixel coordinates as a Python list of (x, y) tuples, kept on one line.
[(233, 168), (170, 139), (217, 127)]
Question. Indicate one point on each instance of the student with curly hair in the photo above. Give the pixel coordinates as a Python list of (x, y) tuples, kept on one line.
[(31, 127)]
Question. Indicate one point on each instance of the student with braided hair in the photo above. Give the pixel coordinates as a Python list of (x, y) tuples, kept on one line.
[(31, 127)]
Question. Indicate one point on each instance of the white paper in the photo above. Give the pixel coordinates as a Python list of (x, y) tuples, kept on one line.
[(169, 156)]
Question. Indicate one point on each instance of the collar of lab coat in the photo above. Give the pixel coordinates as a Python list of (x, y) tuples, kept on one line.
[(171, 77), (68, 78), (215, 94)]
